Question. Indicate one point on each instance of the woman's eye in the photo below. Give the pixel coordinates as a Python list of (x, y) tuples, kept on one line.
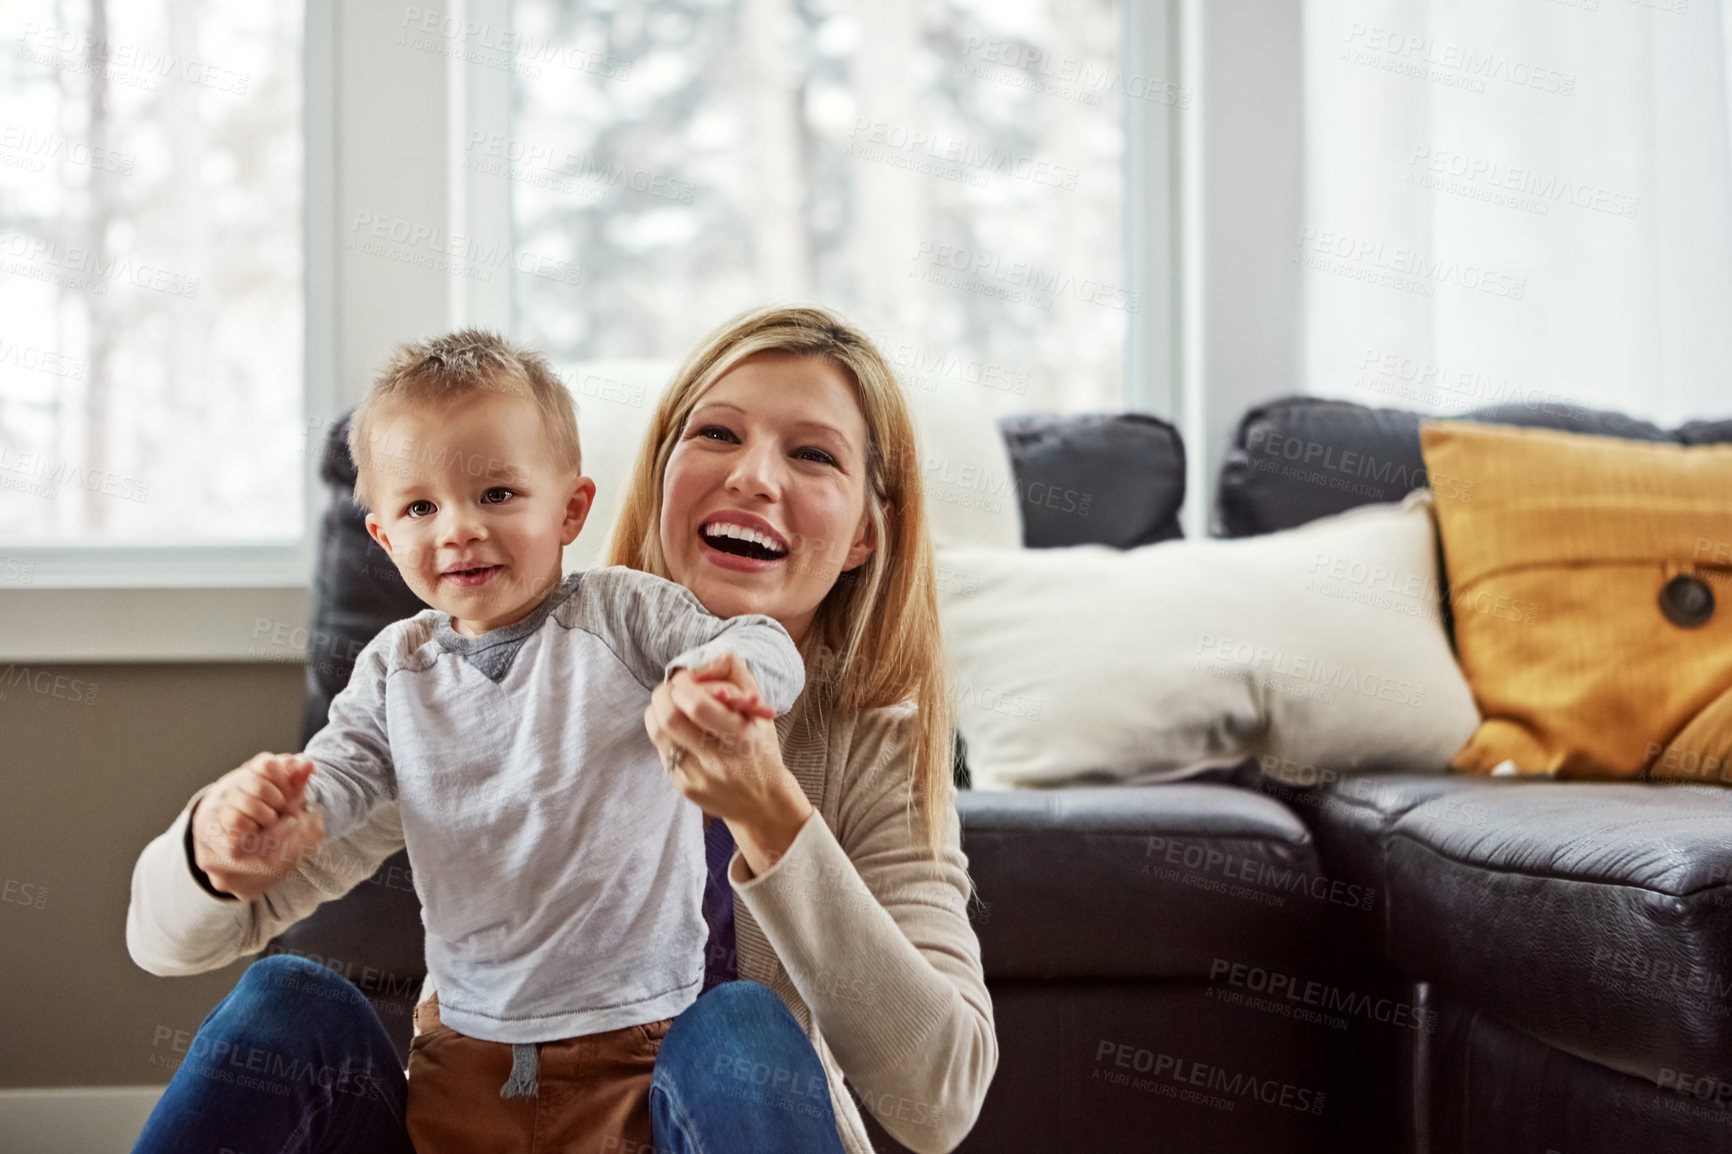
[(725, 435), (497, 495), (414, 505)]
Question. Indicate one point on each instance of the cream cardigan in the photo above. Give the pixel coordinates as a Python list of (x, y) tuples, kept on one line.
[(860, 932)]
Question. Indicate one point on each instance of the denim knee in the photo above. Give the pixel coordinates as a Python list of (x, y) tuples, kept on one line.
[(736, 1005), (736, 1072), (741, 1012), (286, 987)]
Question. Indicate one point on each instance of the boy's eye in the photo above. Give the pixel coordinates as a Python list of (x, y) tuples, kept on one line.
[(414, 505), (497, 495)]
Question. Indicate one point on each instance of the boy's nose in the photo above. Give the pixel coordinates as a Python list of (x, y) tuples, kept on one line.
[(459, 525)]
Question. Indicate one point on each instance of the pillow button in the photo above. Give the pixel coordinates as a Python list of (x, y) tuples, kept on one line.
[(1687, 602)]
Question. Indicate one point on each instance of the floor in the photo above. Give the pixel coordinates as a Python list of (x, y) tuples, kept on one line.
[(74, 1120)]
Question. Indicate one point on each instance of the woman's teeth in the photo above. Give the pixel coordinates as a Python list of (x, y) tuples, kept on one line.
[(725, 531)]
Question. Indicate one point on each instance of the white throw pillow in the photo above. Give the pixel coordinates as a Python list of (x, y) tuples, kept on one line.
[(1316, 650), (971, 491)]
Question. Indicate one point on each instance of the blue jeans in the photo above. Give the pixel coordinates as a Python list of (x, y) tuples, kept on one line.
[(295, 1061), (735, 1073)]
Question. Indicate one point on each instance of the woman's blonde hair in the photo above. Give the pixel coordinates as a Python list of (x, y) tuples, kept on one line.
[(878, 625)]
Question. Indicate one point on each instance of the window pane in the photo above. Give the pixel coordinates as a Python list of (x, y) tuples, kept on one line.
[(948, 174), (150, 271)]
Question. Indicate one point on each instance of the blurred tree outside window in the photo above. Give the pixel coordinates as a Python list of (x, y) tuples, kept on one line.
[(150, 272), (948, 174)]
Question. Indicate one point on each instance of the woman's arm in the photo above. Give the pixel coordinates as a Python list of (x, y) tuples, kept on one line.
[(872, 931), (875, 936)]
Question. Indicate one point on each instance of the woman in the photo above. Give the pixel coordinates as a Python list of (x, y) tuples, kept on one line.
[(848, 887)]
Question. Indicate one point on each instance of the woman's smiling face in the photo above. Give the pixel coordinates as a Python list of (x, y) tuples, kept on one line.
[(764, 497)]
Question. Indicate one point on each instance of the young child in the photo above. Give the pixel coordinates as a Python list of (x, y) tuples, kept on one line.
[(560, 872)]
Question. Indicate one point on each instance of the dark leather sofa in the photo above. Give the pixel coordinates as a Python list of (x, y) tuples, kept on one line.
[(1411, 963)]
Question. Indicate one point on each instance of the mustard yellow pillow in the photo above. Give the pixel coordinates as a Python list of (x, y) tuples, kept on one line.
[(1593, 611)]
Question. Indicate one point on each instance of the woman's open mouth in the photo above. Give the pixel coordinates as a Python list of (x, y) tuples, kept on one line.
[(741, 547)]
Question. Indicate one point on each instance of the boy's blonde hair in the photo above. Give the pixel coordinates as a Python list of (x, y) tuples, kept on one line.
[(880, 620), (457, 365)]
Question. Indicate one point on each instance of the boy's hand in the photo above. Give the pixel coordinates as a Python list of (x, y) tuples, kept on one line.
[(725, 678), (747, 705), (254, 826)]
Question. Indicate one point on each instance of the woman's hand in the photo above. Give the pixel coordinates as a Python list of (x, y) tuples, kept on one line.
[(724, 756), (254, 826)]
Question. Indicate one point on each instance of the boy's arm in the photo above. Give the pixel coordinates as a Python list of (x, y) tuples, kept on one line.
[(353, 773), (657, 627)]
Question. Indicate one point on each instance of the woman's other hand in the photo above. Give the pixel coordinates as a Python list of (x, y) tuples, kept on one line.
[(723, 755)]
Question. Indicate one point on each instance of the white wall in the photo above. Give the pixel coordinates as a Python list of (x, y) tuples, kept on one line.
[(1243, 214)]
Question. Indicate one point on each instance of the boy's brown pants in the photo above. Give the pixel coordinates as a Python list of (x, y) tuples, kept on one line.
[(592, 1097)]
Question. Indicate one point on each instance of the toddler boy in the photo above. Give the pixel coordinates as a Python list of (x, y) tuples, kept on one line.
[(560, 872)]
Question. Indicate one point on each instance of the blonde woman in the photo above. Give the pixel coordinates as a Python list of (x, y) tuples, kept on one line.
[(778, 476)]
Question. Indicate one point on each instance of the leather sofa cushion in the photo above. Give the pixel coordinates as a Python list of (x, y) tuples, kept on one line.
[(1351, 817), (1096, 479), (1493, 1090), (1144, 882), (1148, 1067), (1594, 917), (1705, 432), (1296, 459)]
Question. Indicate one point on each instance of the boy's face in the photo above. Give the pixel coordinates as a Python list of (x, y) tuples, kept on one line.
[(472, 510)]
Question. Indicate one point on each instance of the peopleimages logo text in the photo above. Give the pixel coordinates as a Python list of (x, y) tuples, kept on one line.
[(1281, 663), (146, 63), (976, 267), (1543, 188), (1331, 251)]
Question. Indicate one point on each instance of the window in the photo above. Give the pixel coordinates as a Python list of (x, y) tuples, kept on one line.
[(950, 175), (190, 196), (151, 273)]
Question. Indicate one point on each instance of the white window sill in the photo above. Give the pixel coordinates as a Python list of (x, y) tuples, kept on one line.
[(150, 625)]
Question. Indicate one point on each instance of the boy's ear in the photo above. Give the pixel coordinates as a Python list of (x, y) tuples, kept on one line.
[(376, 530), (577, 509)]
